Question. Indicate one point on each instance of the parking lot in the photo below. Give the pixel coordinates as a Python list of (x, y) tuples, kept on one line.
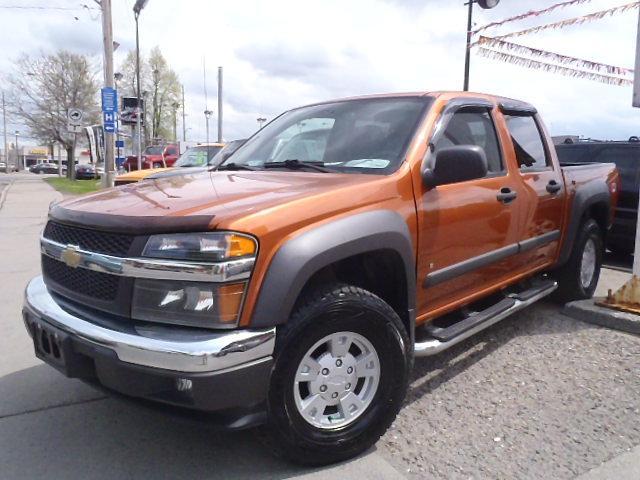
[(536, 396)]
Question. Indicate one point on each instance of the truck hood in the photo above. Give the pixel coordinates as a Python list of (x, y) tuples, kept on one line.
[(209, 200)]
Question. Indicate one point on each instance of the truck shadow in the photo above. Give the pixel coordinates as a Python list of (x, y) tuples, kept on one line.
[(45, 433), (430, 373)]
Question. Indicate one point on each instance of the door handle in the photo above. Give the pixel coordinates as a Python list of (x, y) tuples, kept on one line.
[(553, 186), (506, 195)]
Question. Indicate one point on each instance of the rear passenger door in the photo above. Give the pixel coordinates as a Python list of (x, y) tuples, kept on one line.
[(542, 190)]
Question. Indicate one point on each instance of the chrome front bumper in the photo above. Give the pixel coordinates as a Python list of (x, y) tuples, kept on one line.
[(175, 349)]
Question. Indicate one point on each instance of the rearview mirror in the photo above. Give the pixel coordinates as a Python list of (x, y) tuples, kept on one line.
[(456, 164)]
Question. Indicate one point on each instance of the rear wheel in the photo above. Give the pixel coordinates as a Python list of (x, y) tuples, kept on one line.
[(578, 278), (340, 375)]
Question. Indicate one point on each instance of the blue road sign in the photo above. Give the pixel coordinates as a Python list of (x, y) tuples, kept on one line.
[(109, 99), (109, 122), (119, 143)]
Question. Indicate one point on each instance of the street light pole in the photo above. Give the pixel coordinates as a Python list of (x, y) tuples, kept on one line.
[(117, 77), (4, 131), (485, 4), (138, 124), (175, 106), (18, 163), (137, 8), (184, 121), (219, 104), (467, 54), (107, 34)]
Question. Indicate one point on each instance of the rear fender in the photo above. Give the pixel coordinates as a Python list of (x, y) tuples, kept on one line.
[(587, 196)]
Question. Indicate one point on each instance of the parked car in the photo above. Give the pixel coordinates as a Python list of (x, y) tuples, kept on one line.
[(11, 167), (155, 156), (297, 291), (45, 167), (87, 171), (626, 156), (196, 157), (189, 168)]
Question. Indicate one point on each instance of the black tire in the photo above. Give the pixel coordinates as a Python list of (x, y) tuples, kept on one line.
[(570, 285), (157, 165), (336, 308)]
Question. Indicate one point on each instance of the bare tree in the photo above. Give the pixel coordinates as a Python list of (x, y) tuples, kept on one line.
[(43, 88)]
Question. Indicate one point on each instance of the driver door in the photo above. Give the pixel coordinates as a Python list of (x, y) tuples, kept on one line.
[(468, 232)]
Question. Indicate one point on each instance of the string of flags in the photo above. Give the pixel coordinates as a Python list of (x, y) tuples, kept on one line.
[(499, 49), (575, 21), (553, 68), (530, 13)]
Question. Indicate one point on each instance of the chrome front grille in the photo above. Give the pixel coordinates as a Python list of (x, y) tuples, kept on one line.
[(116, 244)]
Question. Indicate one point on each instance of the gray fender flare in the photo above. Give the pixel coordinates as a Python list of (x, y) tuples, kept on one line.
[(301, 257), (586, 197)]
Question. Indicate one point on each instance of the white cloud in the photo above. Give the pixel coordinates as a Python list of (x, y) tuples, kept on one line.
[(285, 53)]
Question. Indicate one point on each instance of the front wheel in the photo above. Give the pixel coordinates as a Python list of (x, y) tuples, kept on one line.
[(578, 278), (340, 376)]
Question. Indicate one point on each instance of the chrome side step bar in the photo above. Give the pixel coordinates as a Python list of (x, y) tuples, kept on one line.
[(433, 346)]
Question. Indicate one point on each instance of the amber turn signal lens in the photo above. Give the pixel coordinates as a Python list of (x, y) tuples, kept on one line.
[(229, 302), (240, 246)]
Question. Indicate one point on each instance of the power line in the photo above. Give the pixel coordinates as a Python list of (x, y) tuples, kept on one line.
[(40, 7)]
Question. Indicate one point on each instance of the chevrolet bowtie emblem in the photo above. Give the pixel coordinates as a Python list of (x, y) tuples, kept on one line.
[(71, 256)]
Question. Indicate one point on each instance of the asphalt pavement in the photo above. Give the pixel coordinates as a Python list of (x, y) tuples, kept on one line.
[(536, 396)]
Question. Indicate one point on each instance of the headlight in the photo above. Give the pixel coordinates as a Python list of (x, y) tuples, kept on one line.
[(202, 247), (191, 303), (194, 304)]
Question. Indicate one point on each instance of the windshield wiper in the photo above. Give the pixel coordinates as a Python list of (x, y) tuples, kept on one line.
[(233, 166), (295, 164)]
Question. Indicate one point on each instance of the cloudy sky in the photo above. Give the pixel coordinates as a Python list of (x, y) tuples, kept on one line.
[(282, 53)]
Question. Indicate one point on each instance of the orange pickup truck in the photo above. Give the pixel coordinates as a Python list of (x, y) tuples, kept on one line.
[(295, 286)]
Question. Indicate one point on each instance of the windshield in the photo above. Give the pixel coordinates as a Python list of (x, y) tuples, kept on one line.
[(356, 136), (197, 156), (154, 150)]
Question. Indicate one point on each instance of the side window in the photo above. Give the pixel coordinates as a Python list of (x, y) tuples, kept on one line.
[(527, 141), (473, 128)]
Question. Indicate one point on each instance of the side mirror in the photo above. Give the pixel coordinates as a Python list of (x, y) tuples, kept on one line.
[(456, 164)]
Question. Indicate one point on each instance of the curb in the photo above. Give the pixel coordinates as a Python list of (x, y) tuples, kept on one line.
[(588, 311), (4, 192)]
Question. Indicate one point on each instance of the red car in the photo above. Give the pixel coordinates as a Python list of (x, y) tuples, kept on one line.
[(155, 156)]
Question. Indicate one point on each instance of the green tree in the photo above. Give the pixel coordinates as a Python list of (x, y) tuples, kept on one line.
[(41, 90), (159, 86)]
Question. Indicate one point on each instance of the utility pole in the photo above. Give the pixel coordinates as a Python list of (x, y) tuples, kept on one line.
[(184, 119), (107, 36), (4, 131), (219, 104)]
